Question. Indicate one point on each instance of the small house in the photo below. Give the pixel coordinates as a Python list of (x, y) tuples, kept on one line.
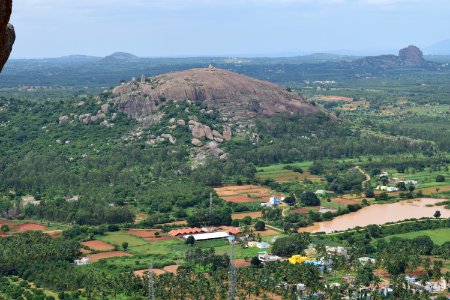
[(367, 260), (234, 231), (337, 250), (264, 257), (83, 261), (298, 259), (263, 245)]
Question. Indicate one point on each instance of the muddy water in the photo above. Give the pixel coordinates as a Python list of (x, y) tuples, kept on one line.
[(381, 214)]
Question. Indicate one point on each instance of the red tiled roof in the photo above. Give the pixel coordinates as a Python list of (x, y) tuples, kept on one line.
[(234, 231), (185, 231)]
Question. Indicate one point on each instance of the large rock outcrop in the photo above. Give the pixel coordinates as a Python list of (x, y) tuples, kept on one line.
[(410, 56), (7, 34), (234, 96)]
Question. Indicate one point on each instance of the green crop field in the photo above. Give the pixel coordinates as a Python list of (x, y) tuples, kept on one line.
[(439, 236), (120, 237)]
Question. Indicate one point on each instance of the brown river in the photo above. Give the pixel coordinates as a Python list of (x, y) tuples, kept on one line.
[(381, 214)]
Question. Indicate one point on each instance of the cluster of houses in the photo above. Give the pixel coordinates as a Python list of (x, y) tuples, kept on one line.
[(394, 180), (429, 286)]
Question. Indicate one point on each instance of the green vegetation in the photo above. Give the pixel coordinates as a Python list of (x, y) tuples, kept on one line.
[(438, 236), (93, 180)]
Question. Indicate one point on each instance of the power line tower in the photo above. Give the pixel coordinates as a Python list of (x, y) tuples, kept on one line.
[(211, 208), (232, 274), (210, 203), (151, 283)]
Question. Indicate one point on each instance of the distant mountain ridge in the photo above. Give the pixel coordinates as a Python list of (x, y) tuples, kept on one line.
[(441, 48)]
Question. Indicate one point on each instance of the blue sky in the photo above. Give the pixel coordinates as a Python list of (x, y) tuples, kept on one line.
[(51, 28)]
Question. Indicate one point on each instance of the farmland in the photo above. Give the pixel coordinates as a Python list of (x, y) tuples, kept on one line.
[(245, 193), (279, 173), (438, 236), (113, 192)]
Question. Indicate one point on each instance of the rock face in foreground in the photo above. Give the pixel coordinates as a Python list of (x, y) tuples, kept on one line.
[(235, 96), (7, 34), (410, 56)]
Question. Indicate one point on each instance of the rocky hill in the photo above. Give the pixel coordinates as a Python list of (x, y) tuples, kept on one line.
[(118, 58), (410, 56), (235, 96), (7, 34), (204, 107)]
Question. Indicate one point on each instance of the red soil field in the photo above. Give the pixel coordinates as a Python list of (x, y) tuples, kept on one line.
[(171, 269), (98, 245), (297, 176), (335, 98), (53, 234), (140, 217), (241, 263), (142, 273), (29, 226), (301, 210), (142, 232), (244, 193), (159, 239), (345, 201), (182, 222), (432, 190), (82, 250), (241, 199), (267, 232), (253, 214), (98, 256)]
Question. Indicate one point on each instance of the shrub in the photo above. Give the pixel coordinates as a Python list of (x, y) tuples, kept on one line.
[(310, 199), (291, 245), (260, 226), (440, 178), (190, 240)]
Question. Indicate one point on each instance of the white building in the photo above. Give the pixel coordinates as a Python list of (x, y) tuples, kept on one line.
[(83, 261), (387, 188), (337, 250), (383, 174), (264, 257), (367, 260), (208, 236)]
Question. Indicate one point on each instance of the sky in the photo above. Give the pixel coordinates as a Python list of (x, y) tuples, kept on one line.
[(165, 28)]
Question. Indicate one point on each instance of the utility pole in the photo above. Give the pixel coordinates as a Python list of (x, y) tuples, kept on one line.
[(232, 274), (151, 283)]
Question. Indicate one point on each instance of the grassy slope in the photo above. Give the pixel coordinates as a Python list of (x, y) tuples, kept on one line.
[(439, 236)]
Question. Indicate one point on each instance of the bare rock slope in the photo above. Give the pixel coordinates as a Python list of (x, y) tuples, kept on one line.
[(7, 34), (235, 96)]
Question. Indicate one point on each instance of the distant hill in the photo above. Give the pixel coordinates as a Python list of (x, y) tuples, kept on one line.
[(441, 48), (119, 57), (409, 57)]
